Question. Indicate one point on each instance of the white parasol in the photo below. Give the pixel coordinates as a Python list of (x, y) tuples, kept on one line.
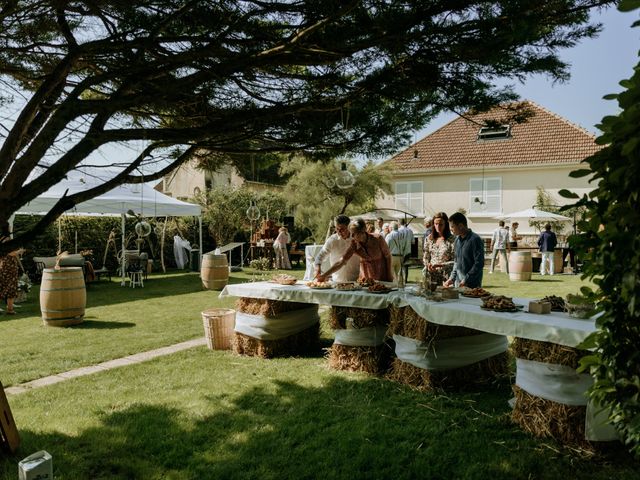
[(535, 214)]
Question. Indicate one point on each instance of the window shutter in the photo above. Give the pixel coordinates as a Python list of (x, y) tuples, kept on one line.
[(475, 191), (493, 195)]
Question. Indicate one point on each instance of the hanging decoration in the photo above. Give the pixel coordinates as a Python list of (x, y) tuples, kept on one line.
[(344, 179), (253, 212), (142, 228)]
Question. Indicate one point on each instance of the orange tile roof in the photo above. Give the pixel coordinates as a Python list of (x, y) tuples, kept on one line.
[(544, 139)]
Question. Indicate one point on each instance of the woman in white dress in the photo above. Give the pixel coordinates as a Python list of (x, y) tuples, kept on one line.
[(280, 249)]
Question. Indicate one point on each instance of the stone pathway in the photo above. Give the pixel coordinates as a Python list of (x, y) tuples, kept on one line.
[(100, 367), (118, 362)]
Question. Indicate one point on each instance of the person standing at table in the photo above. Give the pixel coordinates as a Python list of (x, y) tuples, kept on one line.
[(407, 237), (439, 250), (500, 245), (513, 236), (375, 258), (280, 249), (395, 242), (547, 242), (334, 248), (469, 254), (9, 275)]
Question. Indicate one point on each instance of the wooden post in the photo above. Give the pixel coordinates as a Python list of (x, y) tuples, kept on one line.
[(9, 438)]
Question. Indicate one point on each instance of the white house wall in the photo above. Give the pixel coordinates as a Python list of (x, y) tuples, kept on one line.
[(449, 191)]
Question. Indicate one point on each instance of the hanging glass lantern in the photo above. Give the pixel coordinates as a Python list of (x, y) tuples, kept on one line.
[(344, 179), (142, 228), (253, 212)]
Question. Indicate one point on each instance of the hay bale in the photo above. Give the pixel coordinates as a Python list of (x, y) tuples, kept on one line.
[(305, 343), (406, 322), (547, 352), (469, 377), (545, 418), (362, 317), (266, 307), (374, 360)]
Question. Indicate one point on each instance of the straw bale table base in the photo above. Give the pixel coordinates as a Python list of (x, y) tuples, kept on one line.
[(545, 418)]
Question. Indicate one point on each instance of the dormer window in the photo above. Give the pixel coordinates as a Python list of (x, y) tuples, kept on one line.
[(494, 133)]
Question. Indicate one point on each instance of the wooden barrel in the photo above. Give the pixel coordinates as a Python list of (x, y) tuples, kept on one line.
[(214, 271), (63, 296), (520, 265)]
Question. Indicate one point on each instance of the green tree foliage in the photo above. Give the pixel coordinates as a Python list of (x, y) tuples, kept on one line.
[(317, 198), (90, 233), (225, 211), (249, 76), (610, 248)]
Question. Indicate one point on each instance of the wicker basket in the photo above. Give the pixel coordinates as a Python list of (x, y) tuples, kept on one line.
[(218, 327)]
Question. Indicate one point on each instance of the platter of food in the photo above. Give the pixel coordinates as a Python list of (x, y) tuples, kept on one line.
[(500, 303), (347, 286), (366, 282), (284, 279), (475, 292), (557, 303), (379, 288), (319, 285)]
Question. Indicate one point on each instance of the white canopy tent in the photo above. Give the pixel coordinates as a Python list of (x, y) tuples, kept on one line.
[(141, 199)]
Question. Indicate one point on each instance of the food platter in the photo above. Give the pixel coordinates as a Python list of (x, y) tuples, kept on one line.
[(475, 292), (284, 279), (347, 286), (379, 287), (517, 308), (319, 285)]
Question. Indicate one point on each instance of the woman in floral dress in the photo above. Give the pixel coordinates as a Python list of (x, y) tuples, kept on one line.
[(438, 251), (375, 257), (9, 269)]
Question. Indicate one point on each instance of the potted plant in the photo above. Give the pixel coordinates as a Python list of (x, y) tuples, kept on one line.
[(24, 286)]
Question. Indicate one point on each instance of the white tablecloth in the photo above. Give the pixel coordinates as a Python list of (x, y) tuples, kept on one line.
[(465, 312), (556, 327), (303, 294)]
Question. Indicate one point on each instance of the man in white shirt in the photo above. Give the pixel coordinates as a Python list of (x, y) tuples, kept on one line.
[(500, 244), (335, 248), (396, 247), (407, 236)]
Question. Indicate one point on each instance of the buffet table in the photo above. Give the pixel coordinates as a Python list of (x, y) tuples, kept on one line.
[(556, 327), (459, 336)]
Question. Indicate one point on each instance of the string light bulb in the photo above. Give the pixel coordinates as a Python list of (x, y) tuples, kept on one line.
[(344, 179), (253, 212)]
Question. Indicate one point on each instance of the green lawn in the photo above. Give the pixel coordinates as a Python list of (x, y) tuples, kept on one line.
[(209, 414)]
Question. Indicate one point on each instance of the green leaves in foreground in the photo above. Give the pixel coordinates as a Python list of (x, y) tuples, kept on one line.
[(610, 248)]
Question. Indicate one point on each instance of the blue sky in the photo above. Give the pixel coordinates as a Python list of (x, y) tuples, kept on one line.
[(597, 65)]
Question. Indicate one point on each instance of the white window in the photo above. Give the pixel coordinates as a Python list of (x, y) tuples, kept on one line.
[(485, 195), (409, 197)]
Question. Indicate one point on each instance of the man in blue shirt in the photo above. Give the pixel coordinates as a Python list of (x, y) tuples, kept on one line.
[(469, 252)]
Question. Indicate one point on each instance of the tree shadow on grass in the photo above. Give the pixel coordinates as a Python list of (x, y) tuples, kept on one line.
[(347, 428)]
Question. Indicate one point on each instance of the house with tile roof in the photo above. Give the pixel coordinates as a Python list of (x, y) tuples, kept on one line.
[(490, 171)]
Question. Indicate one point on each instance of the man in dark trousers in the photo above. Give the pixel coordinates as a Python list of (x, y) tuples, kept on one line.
[(469, 251), (547, 242)]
